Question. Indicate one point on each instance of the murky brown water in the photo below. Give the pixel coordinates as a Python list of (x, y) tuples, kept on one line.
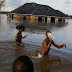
[(58, 60)]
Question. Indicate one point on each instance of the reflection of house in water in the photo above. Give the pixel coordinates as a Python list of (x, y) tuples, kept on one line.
[(33, 11)]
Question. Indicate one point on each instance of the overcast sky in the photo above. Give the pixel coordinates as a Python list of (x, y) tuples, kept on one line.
[(63, 5)]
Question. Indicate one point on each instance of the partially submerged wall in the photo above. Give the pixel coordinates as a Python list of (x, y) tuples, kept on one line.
[(18, 16), (38, 18)]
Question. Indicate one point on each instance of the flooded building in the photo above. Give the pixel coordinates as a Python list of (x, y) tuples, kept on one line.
[(34, 11)]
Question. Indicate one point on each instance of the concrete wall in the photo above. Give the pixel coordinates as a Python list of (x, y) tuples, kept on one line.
[(56, 20), (33, 18), (18, 16), (27, 17)]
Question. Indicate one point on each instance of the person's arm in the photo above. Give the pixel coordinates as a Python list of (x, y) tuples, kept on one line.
[(58, 46), (18, 42), (48, 46)]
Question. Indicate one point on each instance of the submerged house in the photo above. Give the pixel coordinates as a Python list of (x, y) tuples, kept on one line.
[(34, 11)]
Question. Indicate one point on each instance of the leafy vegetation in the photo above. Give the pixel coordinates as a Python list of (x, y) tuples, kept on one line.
[(4, 12)]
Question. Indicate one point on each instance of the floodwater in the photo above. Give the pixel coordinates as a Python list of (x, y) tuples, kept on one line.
[(58, 60)]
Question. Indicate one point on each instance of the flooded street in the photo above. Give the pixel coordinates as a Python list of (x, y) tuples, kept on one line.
[(58, 60)]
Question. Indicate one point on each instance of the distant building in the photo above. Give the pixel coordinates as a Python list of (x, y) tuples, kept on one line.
[(34, 11)]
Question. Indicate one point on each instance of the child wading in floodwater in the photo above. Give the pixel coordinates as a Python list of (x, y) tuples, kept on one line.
[(46, 44), (18, 36)]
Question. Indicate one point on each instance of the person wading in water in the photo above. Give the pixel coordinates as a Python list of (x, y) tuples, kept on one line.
[(18, 36), (46, 44)]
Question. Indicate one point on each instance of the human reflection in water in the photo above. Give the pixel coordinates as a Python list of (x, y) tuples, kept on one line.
[(48, 64)]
